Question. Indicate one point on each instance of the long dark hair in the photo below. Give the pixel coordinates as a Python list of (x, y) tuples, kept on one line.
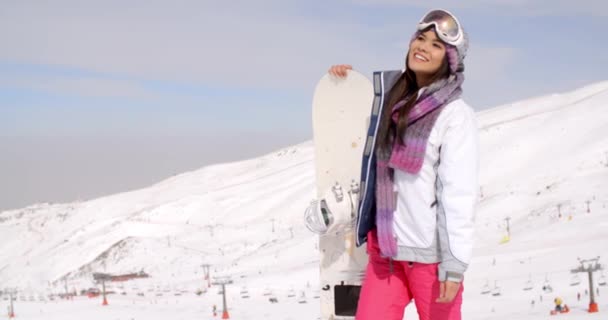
[(406, 87)]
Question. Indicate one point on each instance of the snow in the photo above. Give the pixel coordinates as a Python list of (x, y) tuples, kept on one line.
[(539, 157)]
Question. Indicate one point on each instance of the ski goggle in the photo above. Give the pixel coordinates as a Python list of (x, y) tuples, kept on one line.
[(446, 25)]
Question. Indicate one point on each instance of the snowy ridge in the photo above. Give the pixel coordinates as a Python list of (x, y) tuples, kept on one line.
[(540, 158), (183, 209), (526, 108)]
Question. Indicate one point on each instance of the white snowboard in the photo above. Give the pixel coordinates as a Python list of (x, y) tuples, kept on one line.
[(341, 109)]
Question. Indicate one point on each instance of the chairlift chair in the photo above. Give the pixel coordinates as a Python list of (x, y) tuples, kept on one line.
[(529, 285), (267, 292), (244, 293), (302, 298), (486, 288), (575, 280), (496, 290)]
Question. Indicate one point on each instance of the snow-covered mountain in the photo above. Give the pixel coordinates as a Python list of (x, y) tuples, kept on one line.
[(218, 215), (544, 166)]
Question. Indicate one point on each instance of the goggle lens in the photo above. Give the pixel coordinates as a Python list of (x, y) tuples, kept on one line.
[(444, 23)]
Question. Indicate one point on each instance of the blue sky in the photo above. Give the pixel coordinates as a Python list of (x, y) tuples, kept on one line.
[(182, 84)]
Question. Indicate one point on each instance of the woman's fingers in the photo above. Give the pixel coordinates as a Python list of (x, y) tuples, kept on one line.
[(344, 69), (340, 70), (448, 291), (335, 71)]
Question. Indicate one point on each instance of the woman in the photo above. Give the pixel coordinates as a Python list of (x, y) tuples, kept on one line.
[(419, 182)]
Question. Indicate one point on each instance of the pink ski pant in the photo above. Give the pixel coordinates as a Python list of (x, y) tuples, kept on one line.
[(384, 295)]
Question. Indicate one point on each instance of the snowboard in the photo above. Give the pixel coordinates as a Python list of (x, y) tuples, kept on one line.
[(341, 110)]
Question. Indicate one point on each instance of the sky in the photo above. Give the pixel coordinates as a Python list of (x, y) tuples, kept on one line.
[(100, 97)]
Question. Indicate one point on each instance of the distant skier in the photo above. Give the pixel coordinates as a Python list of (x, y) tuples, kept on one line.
[(578, 296), (558, 306)]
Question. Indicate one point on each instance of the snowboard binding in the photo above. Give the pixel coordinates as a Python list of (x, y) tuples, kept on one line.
[(335, 213)]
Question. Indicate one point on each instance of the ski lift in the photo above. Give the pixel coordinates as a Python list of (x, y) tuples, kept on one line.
[(267, 292), (529, 285), (602, 280), (244, 293), (302, 298), (575, 280), (547, 286), (496, 290), (486, 288)]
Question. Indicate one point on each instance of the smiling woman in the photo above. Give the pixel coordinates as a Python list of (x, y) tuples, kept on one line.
[(427, 57), (416, 214)]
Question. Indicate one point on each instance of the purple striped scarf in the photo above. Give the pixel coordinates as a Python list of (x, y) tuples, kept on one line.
[(410, 156)]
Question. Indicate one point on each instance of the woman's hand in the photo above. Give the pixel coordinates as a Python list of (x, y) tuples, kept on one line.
[(339, 70), (447, 291)]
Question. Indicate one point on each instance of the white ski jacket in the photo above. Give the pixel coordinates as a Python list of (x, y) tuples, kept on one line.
[(435, 211), (434, 218)]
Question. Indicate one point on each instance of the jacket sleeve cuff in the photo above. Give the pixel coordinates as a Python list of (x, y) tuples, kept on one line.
[(451, 271)]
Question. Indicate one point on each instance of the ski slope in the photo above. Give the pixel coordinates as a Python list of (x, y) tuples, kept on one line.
[(539, 158)]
